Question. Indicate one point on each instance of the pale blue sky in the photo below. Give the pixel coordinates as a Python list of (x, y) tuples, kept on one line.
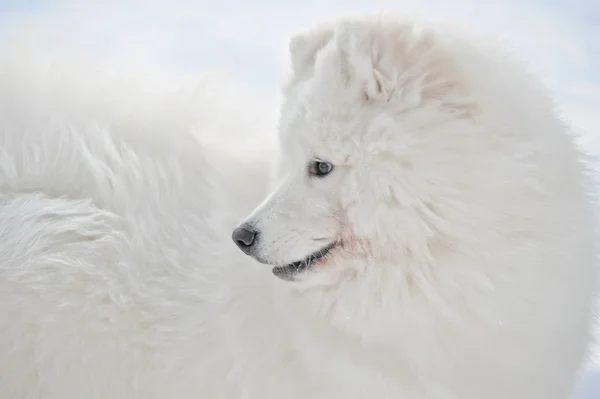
[(248, 38)]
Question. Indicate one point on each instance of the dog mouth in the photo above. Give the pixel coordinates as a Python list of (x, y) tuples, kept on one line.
[(290, 271)]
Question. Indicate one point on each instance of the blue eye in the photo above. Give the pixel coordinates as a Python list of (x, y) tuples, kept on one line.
[(319, 168)]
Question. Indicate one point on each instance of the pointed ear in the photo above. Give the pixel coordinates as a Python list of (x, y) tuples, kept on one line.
[(355, 45), (304, 46)]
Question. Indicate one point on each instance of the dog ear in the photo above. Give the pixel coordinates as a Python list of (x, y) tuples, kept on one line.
[(304, 47), (355, 46)]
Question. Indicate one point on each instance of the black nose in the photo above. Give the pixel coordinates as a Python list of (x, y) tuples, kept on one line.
[(244, 237)]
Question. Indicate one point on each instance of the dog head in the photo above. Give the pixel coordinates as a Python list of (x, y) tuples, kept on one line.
[(367, 128), (392, 167)]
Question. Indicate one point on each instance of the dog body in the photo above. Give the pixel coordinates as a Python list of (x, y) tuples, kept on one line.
[(428, 223)]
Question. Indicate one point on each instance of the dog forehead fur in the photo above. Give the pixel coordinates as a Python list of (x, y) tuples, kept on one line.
[(468, 273)]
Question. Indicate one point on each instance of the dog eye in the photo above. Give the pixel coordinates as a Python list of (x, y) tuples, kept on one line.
[(319, 168)]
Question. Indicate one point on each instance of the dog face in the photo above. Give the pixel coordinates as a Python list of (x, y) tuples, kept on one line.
[(364, 132)]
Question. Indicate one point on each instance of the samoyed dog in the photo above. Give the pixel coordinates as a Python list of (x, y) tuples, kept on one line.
[(424, 230)]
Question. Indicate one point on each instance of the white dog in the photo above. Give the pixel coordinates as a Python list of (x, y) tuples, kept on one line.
[(430, 232)]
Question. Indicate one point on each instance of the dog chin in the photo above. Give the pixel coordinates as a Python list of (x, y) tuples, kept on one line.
[(289, 272)]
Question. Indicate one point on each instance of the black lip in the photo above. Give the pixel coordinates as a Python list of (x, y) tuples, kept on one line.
[(289, 271)]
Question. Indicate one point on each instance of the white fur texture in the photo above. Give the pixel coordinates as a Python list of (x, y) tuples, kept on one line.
[(466, 263)]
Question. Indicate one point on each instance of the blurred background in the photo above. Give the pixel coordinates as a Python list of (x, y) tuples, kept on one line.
[(248, 39), (246, 42)]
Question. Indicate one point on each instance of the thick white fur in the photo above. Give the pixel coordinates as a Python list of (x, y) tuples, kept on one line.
[(466, 268)]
